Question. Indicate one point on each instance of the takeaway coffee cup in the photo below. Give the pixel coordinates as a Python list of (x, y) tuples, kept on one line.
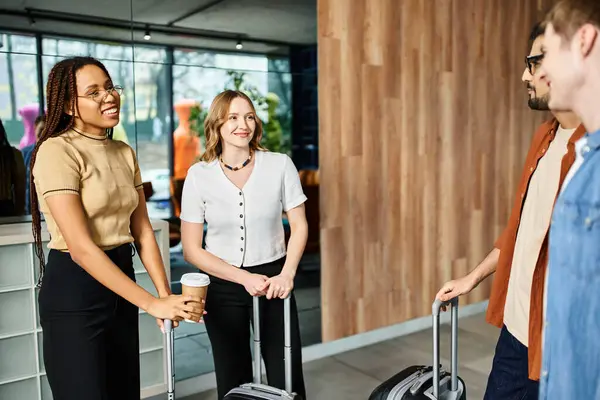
[(195, 284)]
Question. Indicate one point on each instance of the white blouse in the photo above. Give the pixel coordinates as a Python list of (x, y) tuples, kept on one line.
[(244, 227)]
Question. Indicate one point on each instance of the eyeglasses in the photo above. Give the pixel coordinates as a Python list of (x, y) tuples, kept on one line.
[(100, 95), (532, 62)]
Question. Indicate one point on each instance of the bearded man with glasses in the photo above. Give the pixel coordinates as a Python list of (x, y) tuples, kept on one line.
[(520, 254)]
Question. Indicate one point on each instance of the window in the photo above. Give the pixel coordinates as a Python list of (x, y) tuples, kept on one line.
[(18, 86)]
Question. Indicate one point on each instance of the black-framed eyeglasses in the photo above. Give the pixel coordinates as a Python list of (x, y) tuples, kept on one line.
[(100, 95), (532, 62)]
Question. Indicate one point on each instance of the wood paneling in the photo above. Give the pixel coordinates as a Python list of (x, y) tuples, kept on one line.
[(424, 127)]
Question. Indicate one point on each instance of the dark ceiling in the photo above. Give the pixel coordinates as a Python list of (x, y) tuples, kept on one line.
[(262, 26)]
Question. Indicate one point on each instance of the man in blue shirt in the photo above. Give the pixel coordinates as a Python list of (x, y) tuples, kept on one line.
[(571, 350)]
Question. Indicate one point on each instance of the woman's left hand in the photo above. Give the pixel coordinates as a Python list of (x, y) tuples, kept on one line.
[(280, 286)]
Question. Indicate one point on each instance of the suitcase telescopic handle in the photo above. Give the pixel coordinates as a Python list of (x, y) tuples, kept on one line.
[(435, 310), (168, 324), (287, 351)]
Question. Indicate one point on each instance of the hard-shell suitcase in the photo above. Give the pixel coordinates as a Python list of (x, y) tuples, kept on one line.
[(256, 390), (428, 382), (170, 359)]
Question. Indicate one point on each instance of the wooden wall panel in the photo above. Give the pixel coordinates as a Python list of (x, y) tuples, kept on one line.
[(424, 127)]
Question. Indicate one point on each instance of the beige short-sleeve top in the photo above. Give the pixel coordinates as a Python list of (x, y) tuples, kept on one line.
[(103, 172)]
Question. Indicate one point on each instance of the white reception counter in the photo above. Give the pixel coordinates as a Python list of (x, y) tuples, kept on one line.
[(22, 374)]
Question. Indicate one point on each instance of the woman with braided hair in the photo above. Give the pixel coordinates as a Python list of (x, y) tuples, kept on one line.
[(90, 191), (12, 178)]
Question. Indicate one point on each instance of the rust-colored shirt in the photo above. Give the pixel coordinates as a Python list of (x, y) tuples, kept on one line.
[(506, 243)]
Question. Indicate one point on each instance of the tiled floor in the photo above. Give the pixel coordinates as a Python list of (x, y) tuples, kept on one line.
[(353, 375)]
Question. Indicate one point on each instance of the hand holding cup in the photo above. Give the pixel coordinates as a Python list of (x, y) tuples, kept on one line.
[(196, 285)]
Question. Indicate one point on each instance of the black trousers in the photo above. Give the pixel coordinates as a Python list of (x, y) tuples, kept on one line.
[(90, 334), (228, 319), (509, 378)]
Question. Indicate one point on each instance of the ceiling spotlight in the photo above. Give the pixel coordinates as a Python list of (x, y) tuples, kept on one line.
[(147, 34), (239, 45)]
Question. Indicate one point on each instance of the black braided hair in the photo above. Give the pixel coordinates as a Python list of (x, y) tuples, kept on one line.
[(61, 90)]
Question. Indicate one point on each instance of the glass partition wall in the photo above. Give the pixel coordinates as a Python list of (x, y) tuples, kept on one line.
[(159, 81), (155, 79)]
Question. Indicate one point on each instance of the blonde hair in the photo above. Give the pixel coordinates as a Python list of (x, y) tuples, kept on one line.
[(216, 118)]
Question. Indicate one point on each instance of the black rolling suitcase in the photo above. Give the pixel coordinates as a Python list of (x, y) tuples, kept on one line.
[(428, 382), (256, 390)]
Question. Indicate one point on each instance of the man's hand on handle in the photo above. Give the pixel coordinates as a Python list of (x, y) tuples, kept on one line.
[(455, 288), (466, 284)]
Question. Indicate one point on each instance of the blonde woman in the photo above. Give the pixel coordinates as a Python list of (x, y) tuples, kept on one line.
[(240, 191)]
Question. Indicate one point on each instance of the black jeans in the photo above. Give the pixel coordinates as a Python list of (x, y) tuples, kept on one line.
[(228, 319), (509, 379), (90, 334)]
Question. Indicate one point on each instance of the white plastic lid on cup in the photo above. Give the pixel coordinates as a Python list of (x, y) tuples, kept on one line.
[(194, 279)]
